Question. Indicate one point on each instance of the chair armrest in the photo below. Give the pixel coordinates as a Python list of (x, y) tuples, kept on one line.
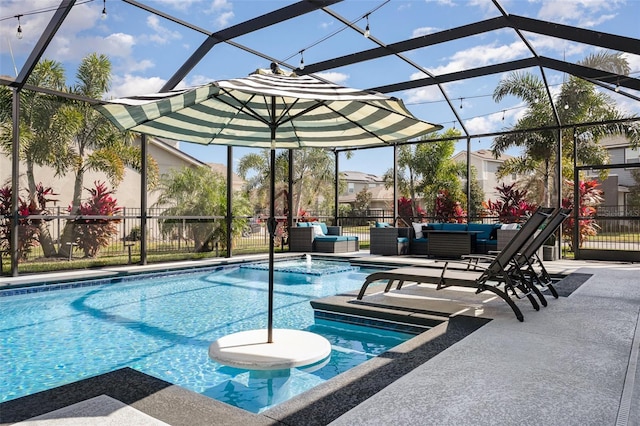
[(300, 239), (334, 230)]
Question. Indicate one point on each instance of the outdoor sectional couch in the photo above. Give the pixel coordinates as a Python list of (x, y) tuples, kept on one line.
[(485, 236), (303, 238), (387, 240)]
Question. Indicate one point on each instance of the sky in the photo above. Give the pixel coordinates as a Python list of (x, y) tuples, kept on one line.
[(146, 50)]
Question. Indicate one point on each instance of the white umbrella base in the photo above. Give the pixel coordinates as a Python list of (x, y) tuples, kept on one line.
[(250, 350)]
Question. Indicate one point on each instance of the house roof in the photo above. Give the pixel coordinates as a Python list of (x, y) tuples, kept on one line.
[(353, 176), (484, 154)]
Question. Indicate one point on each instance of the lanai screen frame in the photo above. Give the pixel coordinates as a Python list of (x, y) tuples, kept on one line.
[(519, 24)]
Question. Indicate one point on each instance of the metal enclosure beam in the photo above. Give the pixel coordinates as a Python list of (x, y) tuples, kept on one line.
[(45, 38), (246, 27)]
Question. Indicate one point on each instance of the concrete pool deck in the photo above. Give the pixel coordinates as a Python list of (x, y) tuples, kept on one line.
[(574, 362)]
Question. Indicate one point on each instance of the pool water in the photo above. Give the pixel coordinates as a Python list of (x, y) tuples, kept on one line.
[(163, 326)]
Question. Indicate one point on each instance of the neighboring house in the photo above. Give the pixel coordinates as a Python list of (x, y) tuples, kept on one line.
[(616, 186), (357, 181), (486, 167), (164, 152)]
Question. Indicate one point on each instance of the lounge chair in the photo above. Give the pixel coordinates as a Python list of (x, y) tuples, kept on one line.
[(528, 258), (482, 278)]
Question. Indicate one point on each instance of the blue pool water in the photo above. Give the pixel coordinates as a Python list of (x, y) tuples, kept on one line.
[(163, 326)]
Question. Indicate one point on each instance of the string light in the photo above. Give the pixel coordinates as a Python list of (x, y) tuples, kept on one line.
[(503, 112), (461, 102), (301, 60), (367, 32), (19, 30), (566, 106), (617, 89), (104, 10)]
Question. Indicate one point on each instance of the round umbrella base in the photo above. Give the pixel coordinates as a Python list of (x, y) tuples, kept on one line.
[(250, 350)]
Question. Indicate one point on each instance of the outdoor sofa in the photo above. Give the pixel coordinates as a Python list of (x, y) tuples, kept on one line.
[(318, 237), (481, 238)]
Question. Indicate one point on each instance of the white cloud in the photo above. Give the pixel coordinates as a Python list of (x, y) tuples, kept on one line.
[(478, 56), (223, 11), (485, 124), (633, 60), (130, 85), (161, 34), (582, 13), (335, 77), (422, 95), (424, 31)]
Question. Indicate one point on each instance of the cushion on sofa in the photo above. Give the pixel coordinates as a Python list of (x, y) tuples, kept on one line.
[(417, 227), (484, 230), (382, 225), (317, 230), (304, 224), (332, 238), (454, 226)]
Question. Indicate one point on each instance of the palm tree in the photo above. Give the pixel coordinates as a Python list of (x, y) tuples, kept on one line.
[(313, 175), (580, 102), (426, 168), (47, 123), (97, 145), (200, 192)]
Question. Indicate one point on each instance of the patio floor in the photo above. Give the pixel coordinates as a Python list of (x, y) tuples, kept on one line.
[(574, 362)]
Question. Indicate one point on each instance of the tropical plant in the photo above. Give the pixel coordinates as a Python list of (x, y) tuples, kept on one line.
[(90, 235), (406, 210), (426, 168), (581, 102), (46, 125), (447, 209), (28, 228), (511, 206), (200, 192), (312, 179), (590, 197), (97, 145)]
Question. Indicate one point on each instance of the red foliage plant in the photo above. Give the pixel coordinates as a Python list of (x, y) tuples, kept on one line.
[(590, 197), (92, 234), (448, 210), (28, 231), (405, 209), (511, 206)]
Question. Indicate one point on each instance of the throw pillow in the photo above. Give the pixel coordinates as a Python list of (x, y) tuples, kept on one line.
[(317, 231), (417, 227)]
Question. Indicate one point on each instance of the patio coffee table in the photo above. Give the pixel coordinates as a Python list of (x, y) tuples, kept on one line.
[(451, 243)]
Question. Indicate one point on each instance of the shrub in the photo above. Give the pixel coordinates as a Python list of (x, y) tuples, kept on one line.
[(448, 210), (590, 197), (511, 206), (92, 234), (28, 229)]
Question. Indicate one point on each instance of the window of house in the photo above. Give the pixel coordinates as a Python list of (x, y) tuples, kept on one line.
[(352, 187), (632, 155)]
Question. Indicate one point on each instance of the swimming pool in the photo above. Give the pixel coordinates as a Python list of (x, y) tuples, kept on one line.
[(163, 325)]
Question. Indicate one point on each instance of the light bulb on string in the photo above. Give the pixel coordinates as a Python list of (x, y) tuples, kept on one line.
[(19, 30), (461, 102), (301, 60), (367, 32), (104, 10), (566, 106), (617, 89)]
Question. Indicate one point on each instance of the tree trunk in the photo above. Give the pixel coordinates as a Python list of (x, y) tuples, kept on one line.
[(67, 234), (44, 236)]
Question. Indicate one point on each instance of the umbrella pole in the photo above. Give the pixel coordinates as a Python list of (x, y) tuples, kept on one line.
[(272, 231)]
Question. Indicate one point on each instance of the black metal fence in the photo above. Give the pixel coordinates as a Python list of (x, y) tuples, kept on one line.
[(174, 237)]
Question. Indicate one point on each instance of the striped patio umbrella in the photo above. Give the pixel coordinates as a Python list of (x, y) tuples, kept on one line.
[(270, 109)]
